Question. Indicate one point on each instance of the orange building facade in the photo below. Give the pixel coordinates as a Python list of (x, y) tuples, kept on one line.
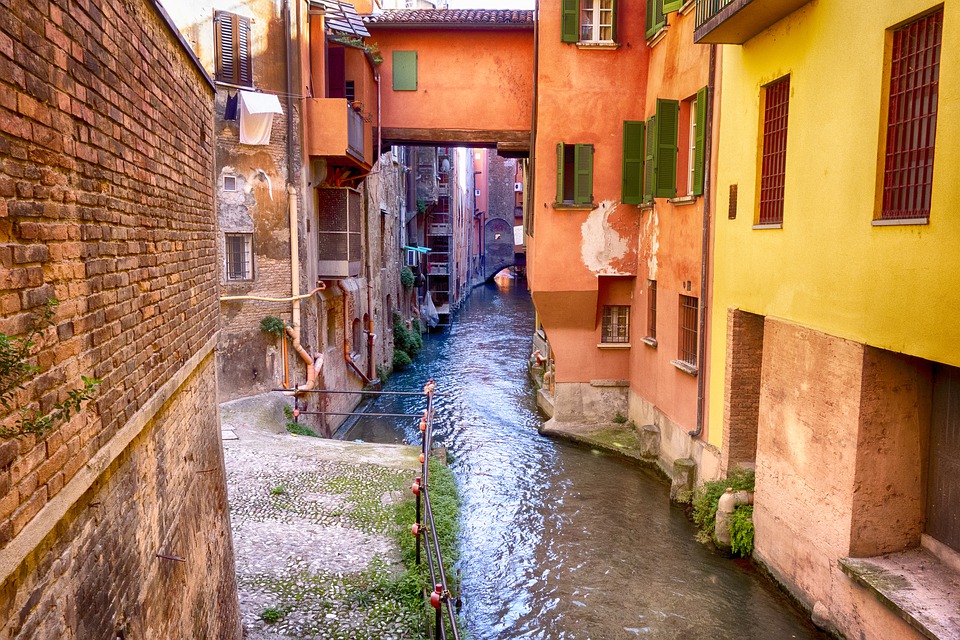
[(615, 230)]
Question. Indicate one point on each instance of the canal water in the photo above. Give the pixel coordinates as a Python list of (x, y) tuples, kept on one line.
[(558, 541)]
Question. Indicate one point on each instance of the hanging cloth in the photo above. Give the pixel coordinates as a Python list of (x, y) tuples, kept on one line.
[(233, 102), (256, 116)]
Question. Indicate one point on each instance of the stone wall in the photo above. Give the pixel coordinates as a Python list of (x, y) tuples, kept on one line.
[(106, 159)]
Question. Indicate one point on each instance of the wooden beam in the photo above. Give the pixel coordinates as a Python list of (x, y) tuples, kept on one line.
[(514, 141)]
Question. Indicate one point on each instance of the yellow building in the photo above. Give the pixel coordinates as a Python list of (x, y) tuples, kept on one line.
[(836, 296)]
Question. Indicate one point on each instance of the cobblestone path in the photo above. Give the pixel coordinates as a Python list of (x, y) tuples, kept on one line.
[(311, 529)]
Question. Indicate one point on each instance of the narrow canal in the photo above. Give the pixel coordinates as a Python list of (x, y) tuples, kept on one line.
[(561, 542)]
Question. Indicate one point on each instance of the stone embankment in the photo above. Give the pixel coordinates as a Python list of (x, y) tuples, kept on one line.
[(312, 528)]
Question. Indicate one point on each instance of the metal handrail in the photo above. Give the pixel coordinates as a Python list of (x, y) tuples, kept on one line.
[(440, 597)]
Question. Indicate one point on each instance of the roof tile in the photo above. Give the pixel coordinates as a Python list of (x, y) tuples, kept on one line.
[(453, 17)]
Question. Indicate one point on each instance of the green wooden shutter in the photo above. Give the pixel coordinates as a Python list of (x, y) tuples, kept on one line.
[(583, 167), (614, 4), (668, 116), (655, 18), (404, 70), (672, 5), (244, 66), (650, 160), (559, 172), (633, 152), (570, 21), (700, 143)]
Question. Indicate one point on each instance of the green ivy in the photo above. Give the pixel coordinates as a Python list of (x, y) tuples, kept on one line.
[(401, 360), (741, 531), (15, 371), (406, 278), (705, 500)]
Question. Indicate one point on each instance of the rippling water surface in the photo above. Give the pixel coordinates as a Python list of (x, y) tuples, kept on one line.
[(560, 542)]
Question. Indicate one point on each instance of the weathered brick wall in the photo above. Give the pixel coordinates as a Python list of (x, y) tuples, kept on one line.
[(106, 203), (741, 397)]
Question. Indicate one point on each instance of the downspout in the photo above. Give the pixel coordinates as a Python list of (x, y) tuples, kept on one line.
[(705, 243)]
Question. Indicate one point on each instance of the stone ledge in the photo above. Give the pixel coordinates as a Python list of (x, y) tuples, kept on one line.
[(916, 586)]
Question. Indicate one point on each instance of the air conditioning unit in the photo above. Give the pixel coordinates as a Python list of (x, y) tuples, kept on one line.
[(518, 186)]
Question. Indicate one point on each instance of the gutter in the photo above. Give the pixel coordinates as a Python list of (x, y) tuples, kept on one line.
[(705, 244)]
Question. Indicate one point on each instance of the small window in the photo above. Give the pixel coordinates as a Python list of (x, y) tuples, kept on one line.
[(232, 49), (596, 20), (239, 250), (912, 119), (652, 309), (774, 160), (357, 337), (350, 90), (615, 327), (574, 174), (689, 314), (229, 183), (588, 21)]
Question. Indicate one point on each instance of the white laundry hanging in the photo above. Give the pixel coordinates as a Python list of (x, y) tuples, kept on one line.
[(256, 116)]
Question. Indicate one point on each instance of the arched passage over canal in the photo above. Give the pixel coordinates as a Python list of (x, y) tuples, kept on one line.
[(561, 542)]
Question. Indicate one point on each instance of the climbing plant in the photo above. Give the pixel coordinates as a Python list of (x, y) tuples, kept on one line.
[(406, 278), (741, 531), (706, 498), (16, 370), (273, 325)]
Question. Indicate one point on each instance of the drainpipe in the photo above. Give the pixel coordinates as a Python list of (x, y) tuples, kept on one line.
[(705, 243)]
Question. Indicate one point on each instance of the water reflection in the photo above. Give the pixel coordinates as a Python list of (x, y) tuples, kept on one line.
[(559, 542)]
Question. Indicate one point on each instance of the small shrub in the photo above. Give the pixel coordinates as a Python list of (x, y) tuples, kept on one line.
[(383, 373), (273, 325), (401, 360), (278, 491), (406, 339), (301, 430), (741, 531), (706, 497), (406, 277), (620, 418)]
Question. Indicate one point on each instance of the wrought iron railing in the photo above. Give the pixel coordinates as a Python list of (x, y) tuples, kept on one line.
[(706, 9)]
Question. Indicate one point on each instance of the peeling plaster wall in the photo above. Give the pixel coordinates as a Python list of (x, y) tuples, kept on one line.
[(602, 249)]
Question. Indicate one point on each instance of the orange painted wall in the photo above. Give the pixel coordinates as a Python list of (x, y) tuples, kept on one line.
[(456, 87), (670, 236), (583, 98)]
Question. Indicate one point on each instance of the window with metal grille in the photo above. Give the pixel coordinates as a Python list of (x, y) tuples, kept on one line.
[(689, 307), (652, 309), (774, 161), (615, 327), (239, 251), (232, 49), (912, 119)]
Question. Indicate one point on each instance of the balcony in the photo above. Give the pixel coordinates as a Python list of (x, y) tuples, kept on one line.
[(335, 130), (736, 21)]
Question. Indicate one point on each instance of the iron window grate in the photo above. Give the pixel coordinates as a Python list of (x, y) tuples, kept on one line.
[(774, 161), (652, 309), (616, 324), (689, 308), (239, 253), (912, 119)]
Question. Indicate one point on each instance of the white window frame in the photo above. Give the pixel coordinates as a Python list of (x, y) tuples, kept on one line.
[(692, 155), (245, 271), (590, 18)]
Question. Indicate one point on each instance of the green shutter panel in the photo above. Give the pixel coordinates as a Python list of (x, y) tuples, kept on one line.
[(570, 21), (404, 70), (672, 5), (700, 143), (651, 21), (583, 165), (633, 152), (559, 172), (650, 160), (668, 116), (614, 4)]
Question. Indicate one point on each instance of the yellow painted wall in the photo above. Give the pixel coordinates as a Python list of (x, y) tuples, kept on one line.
[(828, 268)]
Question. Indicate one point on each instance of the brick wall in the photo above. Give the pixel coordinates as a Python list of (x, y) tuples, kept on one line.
[(741, 397), (106, 203)]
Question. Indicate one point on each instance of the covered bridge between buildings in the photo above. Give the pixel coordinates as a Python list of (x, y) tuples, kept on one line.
[(456, 77)]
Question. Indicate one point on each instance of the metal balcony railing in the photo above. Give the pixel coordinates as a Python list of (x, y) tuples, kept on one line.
[(736, 21), (706, 9)]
